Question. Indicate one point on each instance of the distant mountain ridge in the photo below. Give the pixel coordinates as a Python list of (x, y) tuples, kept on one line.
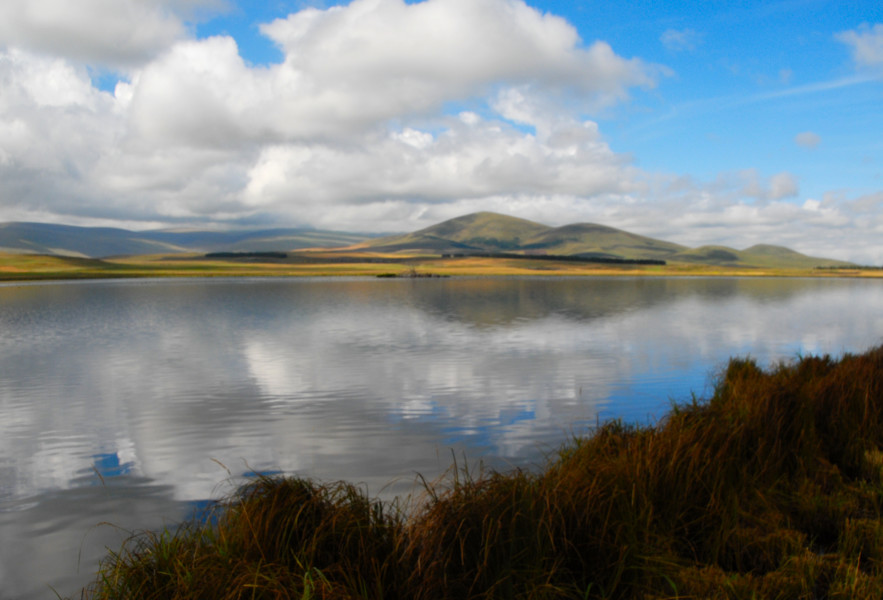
[(492, 232), (482, 232), (102, 242)]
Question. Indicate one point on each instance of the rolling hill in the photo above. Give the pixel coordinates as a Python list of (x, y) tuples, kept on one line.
[(101, 242), (761, 255), (590, 240), (483, 232), (487, 232), (477, 232)]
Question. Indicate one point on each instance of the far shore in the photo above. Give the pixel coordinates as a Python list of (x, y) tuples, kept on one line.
[(31, 267)]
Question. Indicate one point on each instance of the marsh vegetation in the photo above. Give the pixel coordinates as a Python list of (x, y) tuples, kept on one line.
[(770, 488)]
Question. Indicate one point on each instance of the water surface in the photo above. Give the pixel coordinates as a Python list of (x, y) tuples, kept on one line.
[(129, 402)]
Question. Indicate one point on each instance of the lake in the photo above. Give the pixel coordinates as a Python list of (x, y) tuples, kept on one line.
[(126, 404)]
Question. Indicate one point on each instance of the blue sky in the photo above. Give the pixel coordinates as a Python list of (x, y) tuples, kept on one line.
[(745, 79), (701, 123)]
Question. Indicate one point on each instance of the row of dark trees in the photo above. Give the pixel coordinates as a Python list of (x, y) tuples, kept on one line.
[(560, 257)]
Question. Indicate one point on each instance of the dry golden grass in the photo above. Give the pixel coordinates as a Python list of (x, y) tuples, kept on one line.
[(369, 264)]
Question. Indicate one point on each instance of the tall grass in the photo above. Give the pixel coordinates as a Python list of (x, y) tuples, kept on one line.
[(772, 488), (276, 538)]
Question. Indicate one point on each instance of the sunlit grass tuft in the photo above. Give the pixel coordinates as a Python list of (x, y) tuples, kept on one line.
[(772, 488), (276, 538)]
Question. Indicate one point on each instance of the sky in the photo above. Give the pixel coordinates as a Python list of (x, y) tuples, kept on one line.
[(732, 122)]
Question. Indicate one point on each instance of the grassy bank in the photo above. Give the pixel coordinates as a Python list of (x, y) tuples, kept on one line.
[(28, 267), (772, 488)]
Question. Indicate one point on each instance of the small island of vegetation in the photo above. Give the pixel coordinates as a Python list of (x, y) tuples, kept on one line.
[(771, 488)]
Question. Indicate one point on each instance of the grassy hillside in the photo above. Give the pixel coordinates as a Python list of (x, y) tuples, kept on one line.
[(491, 232), (14, 267), (760, 256), (65, 240), (483, 231), (477, 233), (589, 239), (99, 242), (780, 256)]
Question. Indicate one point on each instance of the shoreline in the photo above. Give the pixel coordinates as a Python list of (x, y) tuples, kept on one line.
[(45, 268), (772, 487)]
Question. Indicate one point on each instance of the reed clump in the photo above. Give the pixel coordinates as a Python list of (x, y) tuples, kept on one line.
[(276, 538), (772, 488)]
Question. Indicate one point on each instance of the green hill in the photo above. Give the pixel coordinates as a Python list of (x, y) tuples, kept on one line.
[(100, 242), (482, 231), (780, 255), (487, 232), (761, 255), (588, 239)]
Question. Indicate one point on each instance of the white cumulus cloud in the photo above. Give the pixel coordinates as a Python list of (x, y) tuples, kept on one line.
[(115, 33), (783, 185), (381, 116), (354, 115), (808, 139), (867, 45)]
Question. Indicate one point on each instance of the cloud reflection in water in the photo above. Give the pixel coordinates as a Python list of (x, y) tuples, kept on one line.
[(160, 386)]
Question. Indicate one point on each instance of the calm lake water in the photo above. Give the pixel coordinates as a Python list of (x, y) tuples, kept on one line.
[(124, 404)]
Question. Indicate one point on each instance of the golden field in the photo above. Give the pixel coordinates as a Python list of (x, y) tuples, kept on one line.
[(22, 267)]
